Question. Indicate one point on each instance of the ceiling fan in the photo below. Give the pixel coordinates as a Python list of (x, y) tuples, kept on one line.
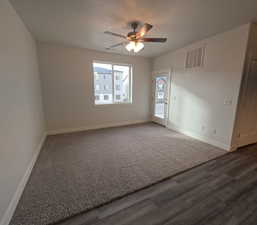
[(134, 40)]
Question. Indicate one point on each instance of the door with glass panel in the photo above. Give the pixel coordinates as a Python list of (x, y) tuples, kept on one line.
[(161, 98)]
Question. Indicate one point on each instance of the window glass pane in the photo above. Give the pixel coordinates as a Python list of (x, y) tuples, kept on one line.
[(160, 87), (103, 83), (121, 83)]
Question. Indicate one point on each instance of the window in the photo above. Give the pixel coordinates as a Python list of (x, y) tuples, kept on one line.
[(96, 76), (117, 87), (112, 82), (97, 98), (97, 87)]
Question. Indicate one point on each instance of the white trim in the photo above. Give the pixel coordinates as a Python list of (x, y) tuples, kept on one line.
[(199, 137), (233, 148), (16, 197), (165, 70), (110, 62), (94, 127)]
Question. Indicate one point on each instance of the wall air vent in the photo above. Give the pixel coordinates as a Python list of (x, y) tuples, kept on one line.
[(195, 58)]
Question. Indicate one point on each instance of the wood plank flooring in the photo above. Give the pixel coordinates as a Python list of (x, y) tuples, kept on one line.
[(220, 192)]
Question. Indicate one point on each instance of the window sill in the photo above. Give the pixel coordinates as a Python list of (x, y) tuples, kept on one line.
[(115, 103)]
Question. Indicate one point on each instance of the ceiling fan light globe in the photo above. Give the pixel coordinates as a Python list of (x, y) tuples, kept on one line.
[(130, 46), (138, 47)]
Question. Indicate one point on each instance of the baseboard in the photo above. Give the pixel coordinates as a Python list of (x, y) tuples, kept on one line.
[(202, 138), (71, 130), (233, 148), (14, 202)]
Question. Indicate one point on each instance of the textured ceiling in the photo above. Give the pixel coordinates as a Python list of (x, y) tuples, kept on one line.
[(82, 23)]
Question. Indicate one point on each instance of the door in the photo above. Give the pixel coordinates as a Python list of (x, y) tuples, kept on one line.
[(161, 98), (247, 120)]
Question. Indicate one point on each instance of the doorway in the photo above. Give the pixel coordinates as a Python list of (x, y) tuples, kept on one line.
[(161, 86), (246, 132)]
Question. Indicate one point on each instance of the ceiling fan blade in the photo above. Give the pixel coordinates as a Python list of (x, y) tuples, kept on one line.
[(116, 45), (114, 34), (144, 29), (162, 40)]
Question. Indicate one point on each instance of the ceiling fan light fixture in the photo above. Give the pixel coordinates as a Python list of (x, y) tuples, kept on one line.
[(130, 46), (135, 46), (134, 39), (138, 47)]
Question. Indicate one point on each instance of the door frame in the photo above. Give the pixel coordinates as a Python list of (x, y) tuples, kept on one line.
[(239, 139), (154, 74)]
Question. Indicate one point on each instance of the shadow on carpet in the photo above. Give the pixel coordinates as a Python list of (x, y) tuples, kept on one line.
[(79, 171)]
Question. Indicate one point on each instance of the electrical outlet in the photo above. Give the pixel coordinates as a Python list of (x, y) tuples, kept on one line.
[(228, 102)]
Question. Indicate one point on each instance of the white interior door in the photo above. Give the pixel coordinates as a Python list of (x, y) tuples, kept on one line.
[(247, 133), (161, 87)]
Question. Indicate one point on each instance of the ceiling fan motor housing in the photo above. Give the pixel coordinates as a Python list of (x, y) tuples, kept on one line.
[(132, 36)]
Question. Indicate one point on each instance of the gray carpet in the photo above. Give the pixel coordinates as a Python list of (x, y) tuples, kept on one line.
[(79, 171)]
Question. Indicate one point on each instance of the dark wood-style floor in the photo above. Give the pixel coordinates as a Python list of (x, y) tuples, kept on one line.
[(220, 192)]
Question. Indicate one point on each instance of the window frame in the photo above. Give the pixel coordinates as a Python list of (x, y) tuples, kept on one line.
[(113, 77), (97, 97), (97, 89)]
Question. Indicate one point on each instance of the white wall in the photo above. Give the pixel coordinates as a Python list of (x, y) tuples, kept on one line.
[(198, 95), (67, 81), (21, 117)]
